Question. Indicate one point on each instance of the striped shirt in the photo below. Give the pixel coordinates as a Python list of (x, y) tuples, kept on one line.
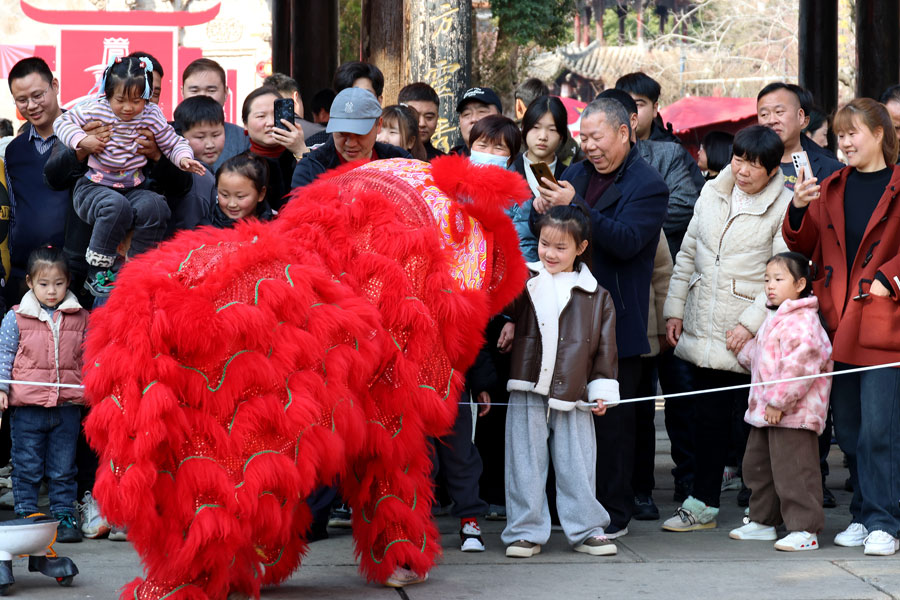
[(40, 144), (119, 165)]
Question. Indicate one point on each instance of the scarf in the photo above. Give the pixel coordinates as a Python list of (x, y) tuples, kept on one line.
[(266, 151)]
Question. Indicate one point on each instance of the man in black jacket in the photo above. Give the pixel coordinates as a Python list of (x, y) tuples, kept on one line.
[(645, 91), (627, 201), (354, 121), (779, 107)]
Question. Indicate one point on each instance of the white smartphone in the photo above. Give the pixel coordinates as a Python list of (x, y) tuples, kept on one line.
[(801, 162)]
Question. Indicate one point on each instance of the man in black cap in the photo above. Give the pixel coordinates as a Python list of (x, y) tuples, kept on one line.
[(476, 103)]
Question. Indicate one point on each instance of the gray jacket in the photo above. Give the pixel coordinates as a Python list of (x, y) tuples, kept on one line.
[(673, 162)]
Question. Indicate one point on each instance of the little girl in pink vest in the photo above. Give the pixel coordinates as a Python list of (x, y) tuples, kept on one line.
[(781, 461), (41, 341)]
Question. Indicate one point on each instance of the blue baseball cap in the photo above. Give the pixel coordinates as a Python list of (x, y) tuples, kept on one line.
[(354, 110)]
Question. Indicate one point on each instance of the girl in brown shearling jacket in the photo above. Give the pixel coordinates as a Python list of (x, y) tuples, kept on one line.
[(564, 360)]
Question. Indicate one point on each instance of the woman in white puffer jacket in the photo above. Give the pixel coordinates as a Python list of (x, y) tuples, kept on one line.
[(716, 300)]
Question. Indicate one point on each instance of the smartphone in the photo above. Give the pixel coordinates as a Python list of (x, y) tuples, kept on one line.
[(801, 162), (284, 109), (540, 169)]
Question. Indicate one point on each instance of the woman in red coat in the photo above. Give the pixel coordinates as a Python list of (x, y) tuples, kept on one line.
[(850, 226)]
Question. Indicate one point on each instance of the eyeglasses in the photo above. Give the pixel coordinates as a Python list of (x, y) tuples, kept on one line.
[(37, 98)]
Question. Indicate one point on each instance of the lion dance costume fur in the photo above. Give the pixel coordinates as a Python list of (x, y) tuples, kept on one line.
[(233, 372)]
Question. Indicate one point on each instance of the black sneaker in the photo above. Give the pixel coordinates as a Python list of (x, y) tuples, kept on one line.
[(828, 499), (100, 283), (743, 497), (645, 509), (67, 531), (340, 517), (683, 489)]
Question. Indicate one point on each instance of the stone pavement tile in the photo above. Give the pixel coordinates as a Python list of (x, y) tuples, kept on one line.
[(602, 579), (882, 572)]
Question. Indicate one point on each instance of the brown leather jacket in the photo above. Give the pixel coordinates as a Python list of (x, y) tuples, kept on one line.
[(569, 358)]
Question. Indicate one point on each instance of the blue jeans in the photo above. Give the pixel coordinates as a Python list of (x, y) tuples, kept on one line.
[(866, 412), (43, 445)]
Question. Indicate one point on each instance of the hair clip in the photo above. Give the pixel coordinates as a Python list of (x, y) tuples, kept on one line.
[(118, 59)]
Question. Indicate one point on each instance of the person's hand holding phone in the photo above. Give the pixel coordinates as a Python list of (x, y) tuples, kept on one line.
[(286, 132), (805, 190), (554, 194)]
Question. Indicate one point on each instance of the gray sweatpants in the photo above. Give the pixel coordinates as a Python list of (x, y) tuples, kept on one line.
[(574, 450)]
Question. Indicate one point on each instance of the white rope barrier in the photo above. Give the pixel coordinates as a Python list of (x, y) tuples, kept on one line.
[(625, 401)]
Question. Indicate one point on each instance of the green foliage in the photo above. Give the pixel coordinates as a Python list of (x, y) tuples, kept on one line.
[(545, 22), (350, 20)]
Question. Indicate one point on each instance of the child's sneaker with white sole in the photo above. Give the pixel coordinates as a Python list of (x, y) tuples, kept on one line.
[(797, 541), (754, 531)]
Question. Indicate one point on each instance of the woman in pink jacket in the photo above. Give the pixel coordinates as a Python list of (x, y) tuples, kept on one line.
[(781, 462)]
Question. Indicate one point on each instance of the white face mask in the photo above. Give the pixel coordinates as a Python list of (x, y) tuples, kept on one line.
[(485, 158)]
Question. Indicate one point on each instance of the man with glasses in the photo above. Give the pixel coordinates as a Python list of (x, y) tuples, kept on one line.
[(38, 213)]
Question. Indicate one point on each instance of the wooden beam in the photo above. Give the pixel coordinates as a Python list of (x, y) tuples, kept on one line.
[(314, 51), (281, 36), (818, 51), (384, 43), (877, 46)]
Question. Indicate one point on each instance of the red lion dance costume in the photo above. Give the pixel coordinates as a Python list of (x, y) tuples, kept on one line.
[(235, 371)]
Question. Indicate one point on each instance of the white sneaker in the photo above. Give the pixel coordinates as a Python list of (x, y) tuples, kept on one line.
[(470, 538), (796, 541), (754, 531), (881, 543), (93, 525), (854, 535), (402, 577), (117, 534)]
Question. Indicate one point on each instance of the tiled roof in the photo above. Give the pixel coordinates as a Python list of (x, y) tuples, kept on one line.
[(595, 61)]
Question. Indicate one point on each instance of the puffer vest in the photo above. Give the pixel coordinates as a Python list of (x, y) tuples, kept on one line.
[(49, 351)]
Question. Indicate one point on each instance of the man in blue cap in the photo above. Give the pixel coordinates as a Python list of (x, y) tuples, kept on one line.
[(354, 121)]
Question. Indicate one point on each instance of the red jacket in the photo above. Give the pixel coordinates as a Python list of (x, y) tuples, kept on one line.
[(865, 329)]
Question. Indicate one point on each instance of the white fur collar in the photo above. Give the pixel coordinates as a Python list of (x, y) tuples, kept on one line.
[(32, 308), (585, 280)]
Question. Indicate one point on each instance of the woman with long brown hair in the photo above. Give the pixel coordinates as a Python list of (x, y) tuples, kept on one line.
[(849, 225)]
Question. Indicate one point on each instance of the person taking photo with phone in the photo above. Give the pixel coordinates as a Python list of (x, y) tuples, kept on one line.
[(779, 107), (280, 144), (544, 131), (849, 224)]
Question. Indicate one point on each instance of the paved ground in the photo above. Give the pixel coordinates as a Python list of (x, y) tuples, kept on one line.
[(650, 564)]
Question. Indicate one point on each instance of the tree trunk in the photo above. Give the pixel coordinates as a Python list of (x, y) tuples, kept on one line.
[(577, 29), (640, 21), (621, 12), (440, 54)]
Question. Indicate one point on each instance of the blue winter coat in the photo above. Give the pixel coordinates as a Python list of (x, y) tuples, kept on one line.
[(625, 226)]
